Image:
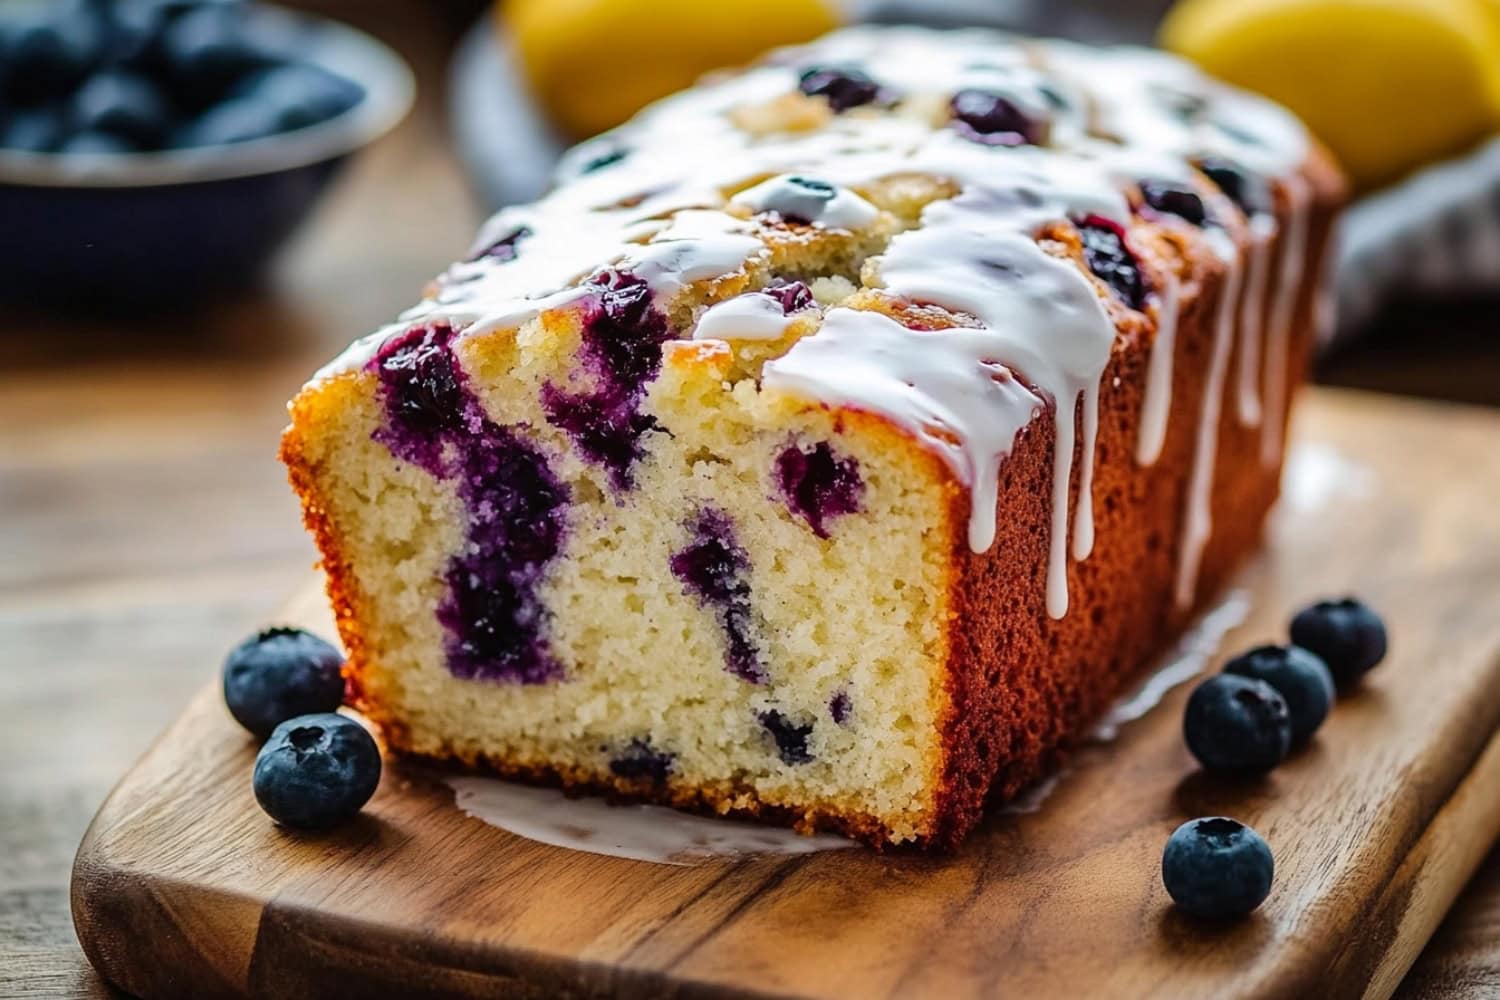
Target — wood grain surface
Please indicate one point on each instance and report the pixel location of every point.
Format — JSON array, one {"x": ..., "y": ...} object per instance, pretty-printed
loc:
[
  {"x": 183, "y": 888},
  {"x": 145, "y": 526}
]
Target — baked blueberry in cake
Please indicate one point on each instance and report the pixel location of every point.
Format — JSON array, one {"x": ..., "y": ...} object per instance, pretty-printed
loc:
[{"x": 838, "y": 437}]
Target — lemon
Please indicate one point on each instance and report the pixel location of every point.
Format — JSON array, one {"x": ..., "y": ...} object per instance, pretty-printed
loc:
[
  {"x": 593, "y": 63},
  {"x": 1386, "y": 84}
]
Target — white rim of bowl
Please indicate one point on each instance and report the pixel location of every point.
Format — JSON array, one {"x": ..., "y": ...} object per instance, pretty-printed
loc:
[{"x": 389, "y": 90}]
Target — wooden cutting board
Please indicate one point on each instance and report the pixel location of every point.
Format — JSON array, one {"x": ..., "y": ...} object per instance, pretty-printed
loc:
[{"x": 183, "y": 888}]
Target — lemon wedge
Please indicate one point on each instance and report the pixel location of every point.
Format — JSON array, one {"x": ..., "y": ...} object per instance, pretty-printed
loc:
[
  {"x": 593, "y": 63},
  {"x": 1388, "y": 85}
]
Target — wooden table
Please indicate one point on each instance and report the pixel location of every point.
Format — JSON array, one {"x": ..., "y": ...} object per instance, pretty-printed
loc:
[{"x": 145, "y": 525}]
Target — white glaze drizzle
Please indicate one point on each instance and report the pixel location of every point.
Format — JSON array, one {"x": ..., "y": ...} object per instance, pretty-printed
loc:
[
  {"x": 1197, "y": 518},
  {"x": 1157, "y": 403},
  {"x": 1252, "y": 323},
  {"x": 1199, "y": 643},
  {"x": 791, "y": 196},
  {"x": 968, "y": 411},
  {"x": 974, "y": 255},
  {"x": 1040, "y": 336},
  {"x": 1284, "y": 315},
  {"x": 653, "y": 834},
  {"x": 752, "y": 316}
]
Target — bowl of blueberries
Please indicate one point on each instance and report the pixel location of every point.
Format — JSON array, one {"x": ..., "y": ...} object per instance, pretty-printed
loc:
[{"x": 155, "y": 152}]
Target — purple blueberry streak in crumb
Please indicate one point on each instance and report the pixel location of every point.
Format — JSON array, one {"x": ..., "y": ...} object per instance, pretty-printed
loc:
[
  {"x": 793, "y": 296},
  {"x": 714, "y": 569},
  {"x": 640, "y": 761},
  {"x": 606, "y": 428},
  {"x": 626, "y": 334},
  {"x": 492, "y": 613},
  {"x": 424, "y": 400},
  {"x": 817, "y": 485},
  {"x": 839, "y": 707},
  {"x": 1108, "y": 255},
  {"x": 622, "y": 339},
  {"x": 507, "y": 248},
  {"x": 790, "y": 737},
  {"x": 993, "y": 119}
]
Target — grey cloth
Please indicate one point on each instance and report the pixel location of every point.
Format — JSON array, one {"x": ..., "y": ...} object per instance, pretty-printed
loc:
[{"x": 1436, "y": 233}]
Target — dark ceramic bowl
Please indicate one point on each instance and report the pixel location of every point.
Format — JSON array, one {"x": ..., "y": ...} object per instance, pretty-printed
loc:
[{"x": 158, "y": 229}]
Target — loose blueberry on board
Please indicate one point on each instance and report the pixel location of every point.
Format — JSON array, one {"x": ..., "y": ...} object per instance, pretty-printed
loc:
[
  {"x": 1174, "y": 199},
  {"x": 1217, "y": 868},
  {"x": 1109, "y": 257},
  {"x": 845, "y": 87},
  {"x": 1300, "y": 677},
  {"x": 1346, "y": 633},
  {"x": 1237, "y": 725},
  {"x": 993, "y": 119},
  {"x": 280, "y": 673},
  {"x": 316, "y": 771}
]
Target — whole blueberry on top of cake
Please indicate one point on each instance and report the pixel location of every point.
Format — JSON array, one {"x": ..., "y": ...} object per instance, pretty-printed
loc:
[{"x": 836, "y": 439}]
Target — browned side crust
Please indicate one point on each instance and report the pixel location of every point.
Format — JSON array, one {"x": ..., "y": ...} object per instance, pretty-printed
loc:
[{"x": 1023, "y": 687}]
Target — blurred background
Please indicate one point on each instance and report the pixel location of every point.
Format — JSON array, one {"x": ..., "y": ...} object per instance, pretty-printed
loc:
[{"x": 200, "y": 202}]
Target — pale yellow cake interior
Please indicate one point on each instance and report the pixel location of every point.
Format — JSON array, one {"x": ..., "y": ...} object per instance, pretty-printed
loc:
[{"x": 858, "y": 614}]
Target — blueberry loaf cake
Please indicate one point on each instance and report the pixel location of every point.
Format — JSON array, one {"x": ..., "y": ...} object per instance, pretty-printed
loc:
[{"x": 836, "y": 439}]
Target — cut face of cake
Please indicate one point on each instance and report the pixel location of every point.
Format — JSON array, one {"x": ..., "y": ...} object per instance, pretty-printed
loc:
[{"x": 836, "y": 440}]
